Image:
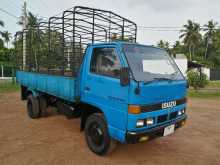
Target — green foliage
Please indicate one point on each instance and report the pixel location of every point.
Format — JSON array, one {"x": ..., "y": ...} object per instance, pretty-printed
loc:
[
  {"x": 191, "y": 37},
  {"x": 203, "y": 94},
  {"x": 8, "y": 86},
  {"x": 197, "y": 80},
  {"x": 214, "y": 84},
  {"x": 7, "y": 37},
  {"x": 204, "y": 49},
  {"x": 1, "y": 44},
  {"x": 2, "y": 23}
]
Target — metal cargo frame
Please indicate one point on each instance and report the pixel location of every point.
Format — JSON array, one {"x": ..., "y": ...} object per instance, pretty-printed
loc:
[{"x": 57, "y": 46}]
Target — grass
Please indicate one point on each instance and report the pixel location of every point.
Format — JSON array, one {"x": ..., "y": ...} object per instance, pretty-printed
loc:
[
  {"x": 203, "y": 94},
  {"x": 213, "y": 84},
  {"x": 210, "y": 91},
  {"x": 8, "y": 86}
]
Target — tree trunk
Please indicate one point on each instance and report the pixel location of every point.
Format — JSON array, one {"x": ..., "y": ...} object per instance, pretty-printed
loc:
[
  {"x": 35, "y": 59},
  {"x": 190, "y": 55},
  {"x": 193, "y": 53},
  {"x": 206, "y": 50},
  {"x": 2, "y": 67}
]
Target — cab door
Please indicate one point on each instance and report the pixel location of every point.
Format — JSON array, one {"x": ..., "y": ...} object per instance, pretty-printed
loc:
[{"x": 101, "y": 86}]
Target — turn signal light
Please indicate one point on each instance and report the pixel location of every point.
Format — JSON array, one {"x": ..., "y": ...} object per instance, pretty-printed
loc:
[{"x": 134, "y": 109}]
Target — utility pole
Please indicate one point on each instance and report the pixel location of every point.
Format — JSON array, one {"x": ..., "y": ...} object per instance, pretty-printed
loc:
[{"x": 24, "y": 17}]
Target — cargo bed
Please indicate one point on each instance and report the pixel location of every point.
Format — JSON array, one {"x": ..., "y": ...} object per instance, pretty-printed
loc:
[{"x": 59, "y": 86}]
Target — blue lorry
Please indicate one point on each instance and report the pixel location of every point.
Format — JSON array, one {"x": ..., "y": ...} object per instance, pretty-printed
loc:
[{"x": 122, "y": 91}]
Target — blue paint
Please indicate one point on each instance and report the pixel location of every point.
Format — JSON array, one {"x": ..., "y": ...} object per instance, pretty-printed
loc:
[
  {"x": 107, "y": 94},
  {"x": 59, "y": 86}
]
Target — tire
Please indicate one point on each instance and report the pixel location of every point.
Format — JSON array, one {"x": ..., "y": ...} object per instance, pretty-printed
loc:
[
  {"x": 97, "y": 136},
  {"x": 43, "y": 106},
  {"x": 33, "y": 109}
]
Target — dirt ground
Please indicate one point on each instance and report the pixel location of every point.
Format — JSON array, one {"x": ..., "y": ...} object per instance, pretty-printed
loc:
[{"x": 57, "y": 140}]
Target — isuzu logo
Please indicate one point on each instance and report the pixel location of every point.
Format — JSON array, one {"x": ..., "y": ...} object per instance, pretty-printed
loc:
[{"x": 168, "y": 104}]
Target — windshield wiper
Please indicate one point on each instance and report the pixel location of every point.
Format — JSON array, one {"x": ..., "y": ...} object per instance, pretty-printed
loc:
[{"x": 157, "y": 79}]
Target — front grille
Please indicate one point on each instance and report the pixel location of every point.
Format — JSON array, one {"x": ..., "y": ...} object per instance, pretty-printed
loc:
[
  {"x": 161, "y": 118},
  {"x": 173, "y": 115},
  {"x": 158, "y": 106}
]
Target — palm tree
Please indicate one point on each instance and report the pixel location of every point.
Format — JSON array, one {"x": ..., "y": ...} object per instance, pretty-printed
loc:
[
  {"x": 32, "y": 20},
  {"x": 7, "y": 36},
  {"x": 2, "y": 23},
  {"x": 210, "y": 30},
  {"x": 31, "y": 38},
  {"x": 164, "y": 45},
  {"x": 177, "y": 48},
  {"x": 1, "y": 41},
  {"x": 191, "y": 36},
  {"x": 161, "y": 44}
]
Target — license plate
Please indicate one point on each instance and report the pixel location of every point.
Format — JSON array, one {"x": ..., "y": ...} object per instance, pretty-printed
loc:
[{"x": 169, "y": 130}]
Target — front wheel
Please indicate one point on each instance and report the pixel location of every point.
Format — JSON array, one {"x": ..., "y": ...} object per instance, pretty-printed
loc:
[{"x": 97, "y": 136}]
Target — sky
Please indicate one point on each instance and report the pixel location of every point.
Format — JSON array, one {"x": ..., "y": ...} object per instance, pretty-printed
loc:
[{"x": 148, "y": 13}]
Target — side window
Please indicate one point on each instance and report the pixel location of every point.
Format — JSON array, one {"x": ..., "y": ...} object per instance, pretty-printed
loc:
[{"x": 104, "y": 61}]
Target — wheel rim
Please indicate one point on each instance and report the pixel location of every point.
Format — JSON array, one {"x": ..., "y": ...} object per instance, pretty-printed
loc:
[{"x": 96, "y": 134}]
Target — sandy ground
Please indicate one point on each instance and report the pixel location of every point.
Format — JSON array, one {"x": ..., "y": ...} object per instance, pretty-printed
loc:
[{"x": 56, "y": 140}]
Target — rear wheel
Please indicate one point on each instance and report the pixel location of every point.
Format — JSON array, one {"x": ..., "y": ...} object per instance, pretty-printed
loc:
[
  {"x": 97, "y": 136},
  {"x": 33, "y": 109},
  {"x": 43, "y": 106}
]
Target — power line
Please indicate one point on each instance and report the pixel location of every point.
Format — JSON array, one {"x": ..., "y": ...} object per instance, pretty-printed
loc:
[
  {"x": 167, "y": 28},
  {"x": 159, "y": 27},
  {"x": 8, "y": 13},
  {"x": 15, "y": 4}
]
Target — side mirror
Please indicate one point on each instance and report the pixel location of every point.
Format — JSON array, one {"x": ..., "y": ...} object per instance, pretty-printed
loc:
[{"x": 124, "y": 76}]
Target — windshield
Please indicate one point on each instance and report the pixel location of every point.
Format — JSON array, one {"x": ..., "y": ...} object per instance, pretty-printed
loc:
[{"x": 150, "y": 63}]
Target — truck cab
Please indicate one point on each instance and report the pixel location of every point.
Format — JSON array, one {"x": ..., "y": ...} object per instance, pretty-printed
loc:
[{"x": 139, "y": 89}]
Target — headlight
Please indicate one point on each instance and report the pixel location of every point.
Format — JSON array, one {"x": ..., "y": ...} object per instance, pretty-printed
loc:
[
  {"x": 149, "y": 121},
  {"x": 140, "y": 123},
  {"x": 181, "y": 112}
]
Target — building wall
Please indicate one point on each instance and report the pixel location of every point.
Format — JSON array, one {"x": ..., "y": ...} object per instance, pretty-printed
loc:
[{"x": 206, "y": 71}]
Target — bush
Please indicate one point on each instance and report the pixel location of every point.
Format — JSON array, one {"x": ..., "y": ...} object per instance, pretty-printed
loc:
[{"x": 196, "y": 80}]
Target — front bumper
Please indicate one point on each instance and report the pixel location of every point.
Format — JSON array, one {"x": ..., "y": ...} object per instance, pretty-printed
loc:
[{"x": 135, "y": 137}]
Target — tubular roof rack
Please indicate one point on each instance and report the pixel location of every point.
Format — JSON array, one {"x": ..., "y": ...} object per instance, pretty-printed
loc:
[{"x": 58, "y": 45}]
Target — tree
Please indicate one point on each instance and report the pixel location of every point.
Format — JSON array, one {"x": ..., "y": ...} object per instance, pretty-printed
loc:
[
  {"x": 164, "y": 45},
  {"x": 32, "y": 38},
  {"x": 210, "y": 30},
  {"x": 191, "y": 36},
  {"x": 32, "y": 20},
  {"x": 1, "y": 41},
  {"x": 2, "y": 23},
  {"x": 177, "y": 48},
  {"x": 7, "y": 37}
]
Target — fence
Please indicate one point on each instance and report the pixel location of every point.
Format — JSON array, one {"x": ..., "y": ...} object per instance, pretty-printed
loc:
[
  {"x": 6, "y": 72},
  {"x": 214, "y": 74}
]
